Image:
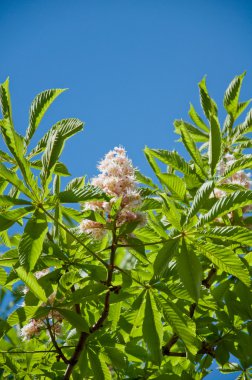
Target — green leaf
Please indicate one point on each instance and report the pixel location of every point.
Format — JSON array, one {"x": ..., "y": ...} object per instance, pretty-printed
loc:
[
  {"x": 201, "y": 195},
  {"x": 168, "y": 250},
  {"x": 234, "y": 234},
  {"x": 49, "y": 159},
  {"x": 137, "y": 249},
  {"x": 3, "y": 276},
  {"x": 98, "y": 366},
  {"x": 191, "y": 148},
  {"x": 76, "y": 183},
  {"x": 172, "y": 159},
  {"x": 5, "y": 102},
  {"x": 244, "y": 128},
  {"x": 12, "y": 177},
  {"x": 39, "y": 106},
  {"x": 74, "y": 319},
  {"x": 30, "y": 280},
  {"x": 175, "y": 184},
  {"x": 226, "y": 204},
  {"x": 66, "y": 129},
  {"x": 86, "y": 194},
  {"x": 190, "y": 272},
  {"x": 145, "y": 180},
  {"x": 59, "y": 168},
  {"x": 197, "y": 135},
  {"x": 214, "y": 143},
  {"x": 152, "y": 328},
  {"x": 117, "y": 357},
  {"x": 197, "y": 119},
  {"x": 231, "y": 97},
  {"x": 4, "y": 157},
  {"x": 243, "y": 163},
  {"x": 208, "y": 105},
  {"x": 225, "y": 259},
  {"x": 31, "y": 243},
  {"x": 21, "y": 315},
  {"x": 8, "y": 218},
  {"x": 6, "y": 201},
  {"x": 182, "y": 325},
  {"x": 151, "y": 161}
]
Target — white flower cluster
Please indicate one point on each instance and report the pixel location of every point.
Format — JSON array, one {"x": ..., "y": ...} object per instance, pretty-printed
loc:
[
  {"x": 239, "y": 178},
  {"x": 117, "y": 179},
  {"x": 35, "y": 326}
]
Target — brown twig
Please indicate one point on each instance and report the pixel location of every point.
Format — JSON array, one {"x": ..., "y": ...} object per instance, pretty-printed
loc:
[
  {"x": 54, "y": 342},
  {"x": 83, "y": 337},
  {"x": 207, "y": 282}
]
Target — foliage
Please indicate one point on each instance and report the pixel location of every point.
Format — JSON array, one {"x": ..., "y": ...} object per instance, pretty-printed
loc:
[{"x": 160, "y": 299}]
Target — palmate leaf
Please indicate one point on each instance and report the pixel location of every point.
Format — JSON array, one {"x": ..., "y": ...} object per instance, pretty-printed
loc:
[
  {"x": 76, "y": 183},
  {"x": 3, "y": 276},
  {"x": 30, "y": 246},
  {"x": 59, "y": 168},
  {"x": 152, "y": 161},
  {"x": 66, "y": 128},
  {"x": 189, "y": 270},
  {"x": 39, "y": 106},
  {"x": 197, "y": 119},
  {"x": 214, "y": 143},
  {"x": 15, "y": 144},
  {"x": 49, "y": 159},
  {"x": 244, "y": 128},
  {"x": 182, "y": 325},
  {"x": 208, "y": 105},
  {"x": 231, "y": 97},
  {"x": 175, "y": 184},
  {"x": 243, "y": 163},
  {"x": 192, "y": 149},
  {"x": 87, "y": 193},
  {"x": 164, "y": 256},
  {"x": 227, "y": 204},
  {"x": 21, "y": 315},
  {"x": 6, "y": 200},
  {"x": 201, "y": 195},
  {"x": 98, "y": 366},
  {"x": 170, "y": 158},
  {"x": 152, "y": 328},
  {"x": 234, "y": 234},
  {"x": 8, "y": 218},
  {"x": 5, "y": 101},
  {"x": 145, "y": 180},
  {"x": 74, "y": 319},
  {"x": 135, "y": 314},
  {"x": 225, "y": 259},
  {"x": 197, "y": 135},
  {"x": 30, "y": 280},
  {"x": 4, "y": 157}
]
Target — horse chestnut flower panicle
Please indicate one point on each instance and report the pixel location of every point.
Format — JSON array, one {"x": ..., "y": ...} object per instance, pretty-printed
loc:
[{"x": 117, "y": 179}]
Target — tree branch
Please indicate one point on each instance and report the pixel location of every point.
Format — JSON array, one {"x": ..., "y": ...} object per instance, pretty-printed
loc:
[
  {"x": 83, "y": 337},
  {"x": 54, "y": 342}
]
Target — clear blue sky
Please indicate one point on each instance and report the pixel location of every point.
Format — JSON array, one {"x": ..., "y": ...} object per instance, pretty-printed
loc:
[{"x": 132, "y": 67}]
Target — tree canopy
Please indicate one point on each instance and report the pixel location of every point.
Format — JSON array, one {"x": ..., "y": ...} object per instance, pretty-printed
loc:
[{"x": 126, "y": 276}]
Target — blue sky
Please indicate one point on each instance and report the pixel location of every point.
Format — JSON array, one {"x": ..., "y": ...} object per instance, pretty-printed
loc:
[{"x": 131, "y": 67}]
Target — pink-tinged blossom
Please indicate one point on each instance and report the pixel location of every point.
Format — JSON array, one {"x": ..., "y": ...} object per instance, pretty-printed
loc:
[
  {"x": 117, "y": 179},
  {"x": 32, "y": 329},
  {"x": 93, "y": 228},
  {"x": 35, "y": 326}
]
